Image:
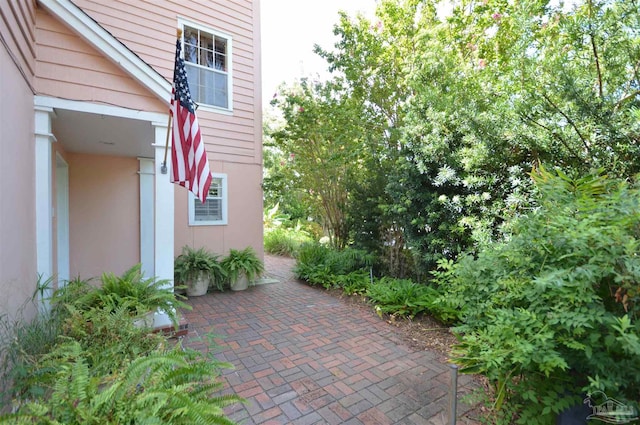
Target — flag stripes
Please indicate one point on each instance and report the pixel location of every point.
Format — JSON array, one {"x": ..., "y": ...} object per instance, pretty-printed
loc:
[{"x": 190, "y": 166}]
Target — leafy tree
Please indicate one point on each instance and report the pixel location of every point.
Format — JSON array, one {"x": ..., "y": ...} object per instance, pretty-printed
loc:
[
  {"x": 374, "y": 58},
  {"x": 322, "y": 140},
  {"x": 279, "y": 180},
  {"x": 453, "y": 111},
  {"x": 498, "y": 86}
]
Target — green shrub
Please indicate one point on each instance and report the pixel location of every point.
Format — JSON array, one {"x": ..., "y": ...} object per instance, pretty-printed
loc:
[
  {"x": 108, "y": 336},
  {"x": 311, "y": 259},
  {"x": 284, "y": 241},
  {"x": 139, "y": 294},
  {"x": 354, "y": 283},
  {"x": 313, "y": 255},
  {"x": 349, "y": 260},
  {"x": 553, "y": 311}
]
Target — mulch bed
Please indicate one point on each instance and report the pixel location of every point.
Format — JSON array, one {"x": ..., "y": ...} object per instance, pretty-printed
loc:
[{"x": 421, "y": 333}]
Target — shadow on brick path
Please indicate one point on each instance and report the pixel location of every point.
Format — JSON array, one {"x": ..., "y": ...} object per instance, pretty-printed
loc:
[{"x": 302, "y": 356}]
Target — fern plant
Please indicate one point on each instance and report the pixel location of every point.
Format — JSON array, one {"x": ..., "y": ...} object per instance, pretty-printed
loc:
[
  {"x": 141, "y": 295},
  {"x": 86, "y": 363},
  {"x": 242, "y": 262},
  {"x": 191, "y": 263},
  {"x": 177, "y": 386}
]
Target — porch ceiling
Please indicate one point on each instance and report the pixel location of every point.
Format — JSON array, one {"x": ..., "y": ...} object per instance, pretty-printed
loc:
[{"x": 90, "y": 133}]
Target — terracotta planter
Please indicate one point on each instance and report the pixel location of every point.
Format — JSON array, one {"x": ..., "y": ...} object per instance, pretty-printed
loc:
[{"x": 199, "y": 286}]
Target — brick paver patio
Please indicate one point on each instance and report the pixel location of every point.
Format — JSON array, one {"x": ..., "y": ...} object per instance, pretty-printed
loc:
[{"x": 302, "y": 356}]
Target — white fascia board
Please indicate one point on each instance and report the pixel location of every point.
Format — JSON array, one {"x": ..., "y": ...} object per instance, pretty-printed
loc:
[
  {"x": 101, "y": 109},
  {"x": 111, "y": 47}
]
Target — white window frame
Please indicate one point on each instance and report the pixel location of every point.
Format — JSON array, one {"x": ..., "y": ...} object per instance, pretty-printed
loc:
[
  {"x": 204, "y": 106},
  {"x": 225, "y": 204}
]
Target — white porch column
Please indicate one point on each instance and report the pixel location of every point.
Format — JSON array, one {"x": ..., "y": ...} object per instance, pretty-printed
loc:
[
  {"x": 147, "y": 209},
  {"x": 43, "y": 196},
  {"x": 164, "y": 210}
]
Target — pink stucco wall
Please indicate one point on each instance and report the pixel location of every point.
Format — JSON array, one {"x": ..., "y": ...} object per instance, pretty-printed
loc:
[
  {"x": 244, "y": 226},
  {"x": 104, "y": 205},
  {"x": 17, "y": 151}
]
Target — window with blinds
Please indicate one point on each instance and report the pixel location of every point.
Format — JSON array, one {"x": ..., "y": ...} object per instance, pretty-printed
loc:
[{"x": 214, "y": 210}]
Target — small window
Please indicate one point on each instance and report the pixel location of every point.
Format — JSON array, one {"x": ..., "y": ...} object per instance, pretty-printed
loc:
[
  {"x": 207, "y": 57},
  {"x": 214, "y": 210}
]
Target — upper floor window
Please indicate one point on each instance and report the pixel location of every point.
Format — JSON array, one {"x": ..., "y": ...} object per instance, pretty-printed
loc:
[
  {"x": 214, "y": 209},
  {"x": 207, "y": 57}
]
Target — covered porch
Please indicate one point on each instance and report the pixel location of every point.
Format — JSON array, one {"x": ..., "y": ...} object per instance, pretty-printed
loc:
[{"x": 102, "y": 202}]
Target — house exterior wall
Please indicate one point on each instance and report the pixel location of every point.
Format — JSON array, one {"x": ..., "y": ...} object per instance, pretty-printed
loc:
[
  {"x": 68, "y": 67},
  {"x": 233, "y": 141},
  {"x": 149, "y": 29},
  {"x": 17, "y": 179},
  {"x": 244, "y": 226},
  {"x": 104, "y": 212}
]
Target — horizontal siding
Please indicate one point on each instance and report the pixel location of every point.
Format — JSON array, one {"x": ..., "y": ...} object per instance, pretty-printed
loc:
[
  {"x": 147, "y": 27},
  {"x": 17, "y": 27},
  {"x": 69, "y": 67}
]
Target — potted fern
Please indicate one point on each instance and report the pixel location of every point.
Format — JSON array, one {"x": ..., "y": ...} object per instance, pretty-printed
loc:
[
  {"x": 197, "y": 269},
  {"x": 242, "y": 267}
]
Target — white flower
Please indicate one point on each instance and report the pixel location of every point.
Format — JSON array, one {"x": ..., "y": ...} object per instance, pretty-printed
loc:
[{"x": 445, "y": 174}]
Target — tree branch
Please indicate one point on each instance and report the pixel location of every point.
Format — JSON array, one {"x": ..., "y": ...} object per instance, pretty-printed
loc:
[
  {"x": 554, "y": 134},
  {"x": 595, "y": 55},
  {"x": 585, "y": 142},
  {"x": 595, "y": 51},
  {"x": 625, "y": 98}
]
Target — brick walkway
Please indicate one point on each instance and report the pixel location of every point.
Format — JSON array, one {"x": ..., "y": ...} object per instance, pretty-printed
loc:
[{"x": 302, "y": 356}]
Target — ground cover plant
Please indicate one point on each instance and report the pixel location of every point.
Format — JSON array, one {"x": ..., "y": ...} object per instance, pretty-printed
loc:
[
  {"x": 320, "y": 264},
  {"x": 87, "y": 361},
  {"x": 403, "y": 297},
  {"x": 350, "y": 270}
]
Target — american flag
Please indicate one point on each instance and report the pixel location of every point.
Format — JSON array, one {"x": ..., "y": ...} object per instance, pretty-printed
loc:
[{"x": 190, "y": 167}]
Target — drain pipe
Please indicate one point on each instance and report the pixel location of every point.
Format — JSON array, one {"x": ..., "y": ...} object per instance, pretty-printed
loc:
[{"x": 453, "y": 394}]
